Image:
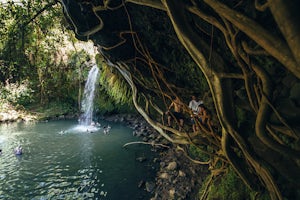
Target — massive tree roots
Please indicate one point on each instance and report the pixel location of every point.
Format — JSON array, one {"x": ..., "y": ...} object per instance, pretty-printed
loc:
[{"x": 240, "y": 79}]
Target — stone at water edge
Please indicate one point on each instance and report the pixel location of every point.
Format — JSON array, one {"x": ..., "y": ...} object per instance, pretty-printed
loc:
[
  {"x": 150, "y": 186},
  {"x": 172, "y": 166},
  {"x": 141, "y": 159}
]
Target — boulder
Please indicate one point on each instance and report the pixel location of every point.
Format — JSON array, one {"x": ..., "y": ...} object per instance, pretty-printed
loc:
[
  {"x": 181, "y": 173},
  {"x": 141, "y": 159},
  {"x": 172, "y": 193},
  {"x": 149, "y": 186},
  {"x": 164, "y": 175},
  {"x": 172, "y": 166}
]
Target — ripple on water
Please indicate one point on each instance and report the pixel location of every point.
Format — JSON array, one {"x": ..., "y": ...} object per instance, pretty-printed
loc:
[
  {"x": 2, "y": 177},
  {"x": 69, "y": 166},
  {"x": 80, "y": 129}
]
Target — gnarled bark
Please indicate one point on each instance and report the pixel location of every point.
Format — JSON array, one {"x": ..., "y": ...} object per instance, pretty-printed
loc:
[{"x": 244, "y": 61}]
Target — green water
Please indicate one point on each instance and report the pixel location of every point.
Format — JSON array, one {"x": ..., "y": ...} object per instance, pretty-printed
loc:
[{"x": 71, "y": 164}]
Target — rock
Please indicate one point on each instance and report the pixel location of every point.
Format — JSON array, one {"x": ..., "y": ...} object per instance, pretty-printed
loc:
[
  {"x": 162, "y": 164},
  {"x": 144, "y": 132},
  {"x": 149, "y": 186},
  {"x": 155, "y": 196},
  {"x": 172, "y": 166},
  {"x": 141, "y": 159},
  {"x": 181, "y": 173},
  {"x": 164, "y": 175},
  {"x": 138, "y": 133},
  {"x": 172, "y": 193},
  {"x": 141, "y": 183},
  {"x": 170, "y": 182},
  {"x": 134, "y": 133}
]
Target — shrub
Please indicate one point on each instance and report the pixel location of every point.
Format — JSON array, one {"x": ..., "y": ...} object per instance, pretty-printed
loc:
[
  {"x": 17, "y": 93},
  {"x": 230, "y": 186}
]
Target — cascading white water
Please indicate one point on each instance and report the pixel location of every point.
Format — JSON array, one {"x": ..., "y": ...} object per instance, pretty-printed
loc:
[{"x": 87, "y": 104}]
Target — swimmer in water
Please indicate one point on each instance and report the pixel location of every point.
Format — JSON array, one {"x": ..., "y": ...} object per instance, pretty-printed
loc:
[{"x": 18, "y": 150}]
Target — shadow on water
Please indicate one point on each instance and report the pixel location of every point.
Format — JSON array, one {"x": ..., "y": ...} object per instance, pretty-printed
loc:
[{"x": 62, "y": 160}]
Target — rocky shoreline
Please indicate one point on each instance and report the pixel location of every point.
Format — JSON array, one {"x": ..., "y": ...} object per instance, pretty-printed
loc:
[
  {"x": 177, "y": 177},
  {"x": 13, "y": 115}
]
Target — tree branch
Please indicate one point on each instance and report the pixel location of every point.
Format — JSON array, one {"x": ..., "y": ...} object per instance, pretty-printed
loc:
[
  {"x": 151, "y": 3},
  {"x": 40, "y": 12},
  {"x": 273, "y": 45},
  {"x": 150, "y": 143},
  {"x": 286, "y": 15}
]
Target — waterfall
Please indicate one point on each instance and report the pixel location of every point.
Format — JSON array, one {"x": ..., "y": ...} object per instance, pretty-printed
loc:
[{"x": 87, "y": 104}]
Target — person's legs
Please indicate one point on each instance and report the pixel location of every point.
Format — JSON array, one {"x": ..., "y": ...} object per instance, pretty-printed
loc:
[
  {"x": 178, "y": 119},
  {"x": 169, "y": 120},
  {"x": 194, "y": 123},
  {"x": 181, "y": 124},
  {"x": 194, "y": 128}
]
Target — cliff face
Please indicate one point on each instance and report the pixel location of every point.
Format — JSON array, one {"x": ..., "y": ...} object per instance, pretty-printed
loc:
[{"x": 241, "y": 58}]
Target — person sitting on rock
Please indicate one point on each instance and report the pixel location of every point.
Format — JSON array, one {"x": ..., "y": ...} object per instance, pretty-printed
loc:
[
  {"x": 177, "y": 112},
  {"x": 193, "y": 105},
  {"x": 204, "y": 116}
]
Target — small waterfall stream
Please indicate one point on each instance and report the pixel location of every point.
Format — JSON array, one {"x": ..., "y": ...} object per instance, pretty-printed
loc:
[{"x": 87, "y": 104}]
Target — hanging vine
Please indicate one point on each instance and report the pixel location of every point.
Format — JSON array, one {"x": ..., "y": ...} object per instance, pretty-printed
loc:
[{"x": 246, "y": 43}]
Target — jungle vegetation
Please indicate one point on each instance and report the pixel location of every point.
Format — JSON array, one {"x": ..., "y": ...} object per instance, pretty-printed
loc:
[
  {"x": 241, "y": 57},
  {"x": 42, "y": 65}
]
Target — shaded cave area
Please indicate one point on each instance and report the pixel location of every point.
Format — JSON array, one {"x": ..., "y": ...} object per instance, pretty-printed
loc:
[{"x": 253, "y": 94}]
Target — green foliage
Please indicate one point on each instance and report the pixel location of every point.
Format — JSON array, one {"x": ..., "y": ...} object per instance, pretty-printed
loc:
[
  {"x": 181, "y": 70},
  {"x": 105, "y": 104},
  {"x": 52, "y": 110},
  {"x": 22, "y": 36},
  {"x": 113, "y": 93},
  {"x": 115, "y": 85},
  {"x": 34, "y": 46},
  {"x": 17, "y": 93},
  {"x": 196, "y": 153},
  {"x": 241, "y": 115},
  {"x": 230, "y": 186}
]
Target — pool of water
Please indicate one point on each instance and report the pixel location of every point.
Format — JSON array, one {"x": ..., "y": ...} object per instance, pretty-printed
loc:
[{"x": 62, "y": 161}]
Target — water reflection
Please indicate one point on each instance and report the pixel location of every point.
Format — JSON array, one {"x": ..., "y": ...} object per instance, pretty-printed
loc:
[{"x": 73, "y": 165}]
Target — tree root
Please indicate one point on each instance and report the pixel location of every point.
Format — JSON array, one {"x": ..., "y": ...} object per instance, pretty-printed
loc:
[{"x": 150, "y": 143}]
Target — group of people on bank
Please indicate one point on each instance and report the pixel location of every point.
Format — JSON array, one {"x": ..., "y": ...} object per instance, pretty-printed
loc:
[{"x": 197, "y": 112}]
